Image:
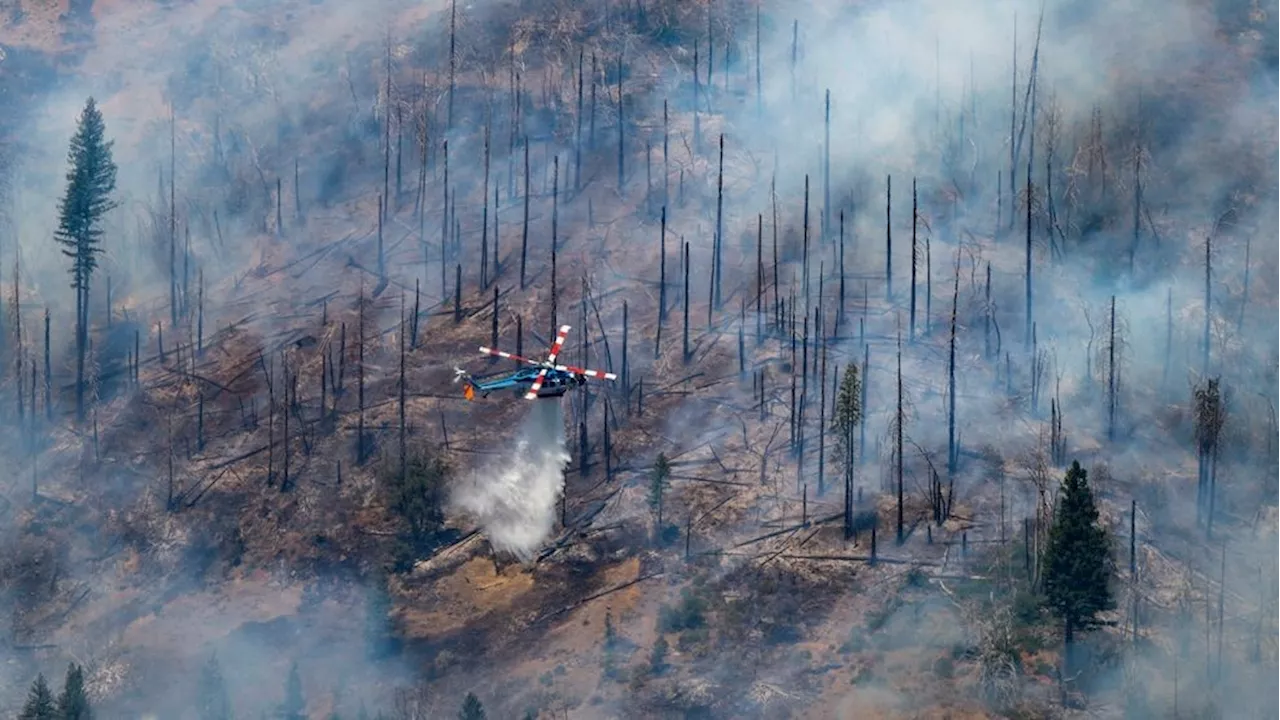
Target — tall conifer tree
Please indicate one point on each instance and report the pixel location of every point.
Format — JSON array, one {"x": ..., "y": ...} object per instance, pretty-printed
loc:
[
  {"x": 91, "y": 179},
  {"x": 73, "y": 703},
  {"x": 40, "y": 704},
  {"x": 1077, "y": 561}
]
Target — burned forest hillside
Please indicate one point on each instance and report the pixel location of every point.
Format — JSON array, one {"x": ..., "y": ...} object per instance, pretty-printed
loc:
[{"x": 944, "y": 338}]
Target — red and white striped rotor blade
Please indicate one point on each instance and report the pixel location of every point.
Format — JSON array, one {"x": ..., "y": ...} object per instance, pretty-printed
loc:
[
  {"x": 510, "y": 356},
  {"x": 558, "y": 344},
  {"x": 589, "y": 373},
  {"x": 537, "y": 385}
]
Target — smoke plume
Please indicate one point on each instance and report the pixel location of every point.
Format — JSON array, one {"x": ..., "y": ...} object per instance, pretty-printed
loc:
[{"x": 514, "y": 497}]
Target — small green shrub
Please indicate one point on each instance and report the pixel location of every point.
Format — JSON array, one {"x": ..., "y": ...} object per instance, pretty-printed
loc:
[{"x": 688, "y": 614}]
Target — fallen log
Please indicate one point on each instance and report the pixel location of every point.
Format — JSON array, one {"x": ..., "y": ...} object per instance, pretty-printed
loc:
[
  {"x": 597, "y": 596},
  {"x": 238, "y": 458}
]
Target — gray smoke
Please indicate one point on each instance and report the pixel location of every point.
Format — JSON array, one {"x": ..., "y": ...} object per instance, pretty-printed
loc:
[{"x": 514, "y": 497}]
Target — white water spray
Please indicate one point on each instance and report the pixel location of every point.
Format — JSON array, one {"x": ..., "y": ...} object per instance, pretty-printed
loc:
[{"x": 514, "y": 497}]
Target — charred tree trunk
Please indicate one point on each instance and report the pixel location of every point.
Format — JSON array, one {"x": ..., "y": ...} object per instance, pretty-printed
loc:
[
  {"x": 386, "y": 138},
  {"x": 986, "y": 316},
  {"x": 915, "y": 258},
  {"x": 1111, "y": 375},
  {"x": 403, "y": 387},
  {"x": 804, "y": 260},
  {"x": 200, "y": 422},
  {"x": 360, "y": 449},
  {"x": 168, "y": 502},
  {"x": 840, "y": 309},
  {"x": 742, "y": 341},
  {"x": 268, "y": 369},
  {"x": 697, "y": 134},
  {"x": 792, "y": 436},
  {"x": 759, "y": 278},
  {"x": 382, "y": 256},
  {"x": 399, "y": 156},
  {"x": 822, "y": 422},
  {"x": 888, "y": 238},
  {"x": 342, "y": 360},
  {"x": 928, "y": 285},
  {"x": 591, "y": 131},
  {"x": 1030, "y": 318},
  {"x": 1208, "y": 303},
  {"x": 622, "y": 138},
  {"x": 555, "y": 201},
  {"x": 666, "y": 163},
  {"x": 173, "y": 220},
  {"x": 493, "y": 341},
  {"x": 898, "y": 440},
  {"x": 453, "y": 61},
  {"x": 777, "y": 288},
  {"x": 417, "y": 314},
  {"x": 48, "y": 374},
  {"x": 953, "y": 449},
  {"x": 288, "y": 407},
  {"x": 662, "y": 282},
  {"x": 497, "y": 249},
  {"x": 826, "y": 169},
  {"x": 577, "y": 131},
  {"x": 484, "y": 216},
  {"x": 685, "y": 299},
  {"x": 711, "y": 56},
  {"x": 717, "y": 271},
  {"x": 200, "y": 314},
  {"x": 1244, "y": 292},
  {"x": 554, "y": 270},
  {"x": 1013, "y": 123},
  {"x": 524, "y": 233},
  {"x": 444, "y": 225},
  {"x": 626, "y": 378}
]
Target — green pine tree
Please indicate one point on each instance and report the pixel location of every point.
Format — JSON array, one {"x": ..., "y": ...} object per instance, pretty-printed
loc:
[
  {"x": 658, "y": 656},
  {"x": 91, "y": 178},
  {"x": 659, "y": 476},
  {"x": 1077, "y": 560},
  {"x": 658, "y": 479},
  {"x": 294, "y": 706},
  {"x": 73, "y": 704},
  {"x": 213, "y": 702},
  {"x": 471, "y": 708},
  {"x": 844, "y": 423},
  {"x": 40, "y": 704}
]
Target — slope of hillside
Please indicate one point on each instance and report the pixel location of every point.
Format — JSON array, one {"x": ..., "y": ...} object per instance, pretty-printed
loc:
[{"x": 324, "y": 208}]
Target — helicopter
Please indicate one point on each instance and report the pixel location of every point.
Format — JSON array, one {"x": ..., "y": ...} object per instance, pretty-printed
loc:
[{"x": 542, "y": 379}]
